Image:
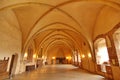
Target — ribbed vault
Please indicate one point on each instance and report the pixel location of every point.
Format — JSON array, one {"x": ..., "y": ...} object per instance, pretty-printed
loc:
[{"x": 50, "y": 23}]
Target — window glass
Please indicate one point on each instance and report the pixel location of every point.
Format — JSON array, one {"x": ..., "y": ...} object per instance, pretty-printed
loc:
[{"x": 101, "y": 52}]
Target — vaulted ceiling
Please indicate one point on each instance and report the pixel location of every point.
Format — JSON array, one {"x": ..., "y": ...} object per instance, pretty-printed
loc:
[{"x": 59, "y": 22}]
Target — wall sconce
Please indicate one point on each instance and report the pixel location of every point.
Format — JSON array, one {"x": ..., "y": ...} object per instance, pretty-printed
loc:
[
  {"x": 53, "y": 57},
  {"x": 83, "y": 56},
  {"x": 67, "y": 57},
  {"x": 89, "y": 55},
  {"x": 25, "y": 55},
  {"x": 34, "y": 56},
  {"x": 43, "y": 57}
]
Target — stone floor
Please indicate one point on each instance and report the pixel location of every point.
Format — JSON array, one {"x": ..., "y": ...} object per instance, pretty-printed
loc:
[{"x": 57, "y": 72}]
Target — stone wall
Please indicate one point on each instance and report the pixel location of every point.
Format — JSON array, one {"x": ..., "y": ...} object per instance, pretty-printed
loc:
[{"x": 10, "y": 37}]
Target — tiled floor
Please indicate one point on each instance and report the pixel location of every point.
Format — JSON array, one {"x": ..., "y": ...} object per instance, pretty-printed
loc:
[{"x": 58, "y": 72}]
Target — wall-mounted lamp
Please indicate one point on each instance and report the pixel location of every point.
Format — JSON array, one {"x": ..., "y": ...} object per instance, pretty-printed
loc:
[
  {"x": 25, "y": 55},
  {"x": 83, "y": 56},
  {"x": 89, "y": 55},
  {"x": 34, "y": 56},
  {"x": 53, "y": 57},
  {"x": 43, "y": 57},
  {"x": 67, "y": 57}
]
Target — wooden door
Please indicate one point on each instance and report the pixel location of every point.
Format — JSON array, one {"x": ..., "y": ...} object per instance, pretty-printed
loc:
[{"x": 13, "y": 64}]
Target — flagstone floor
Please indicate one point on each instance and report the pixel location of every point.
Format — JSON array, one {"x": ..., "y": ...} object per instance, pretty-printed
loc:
[{"x": 57, "y": 72}]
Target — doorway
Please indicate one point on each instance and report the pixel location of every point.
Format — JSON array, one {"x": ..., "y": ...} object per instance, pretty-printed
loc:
[{"x": 13, "y": 64}]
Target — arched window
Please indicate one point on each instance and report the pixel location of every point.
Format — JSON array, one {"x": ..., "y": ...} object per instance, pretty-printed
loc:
[
  {"x": 75, "y": 57},
  {"x": 79, "y": 58},
  {"x": 101, "y": 53},
  {"x": 116, "y": 38}
]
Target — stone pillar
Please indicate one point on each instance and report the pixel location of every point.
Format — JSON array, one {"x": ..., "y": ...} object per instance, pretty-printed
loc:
[{"x": 111, "y": 50}]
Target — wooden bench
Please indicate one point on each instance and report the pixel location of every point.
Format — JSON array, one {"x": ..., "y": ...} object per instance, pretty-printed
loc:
[
  {"x": 3, "y": 68},
  {"x": 30, "y": 67}
]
